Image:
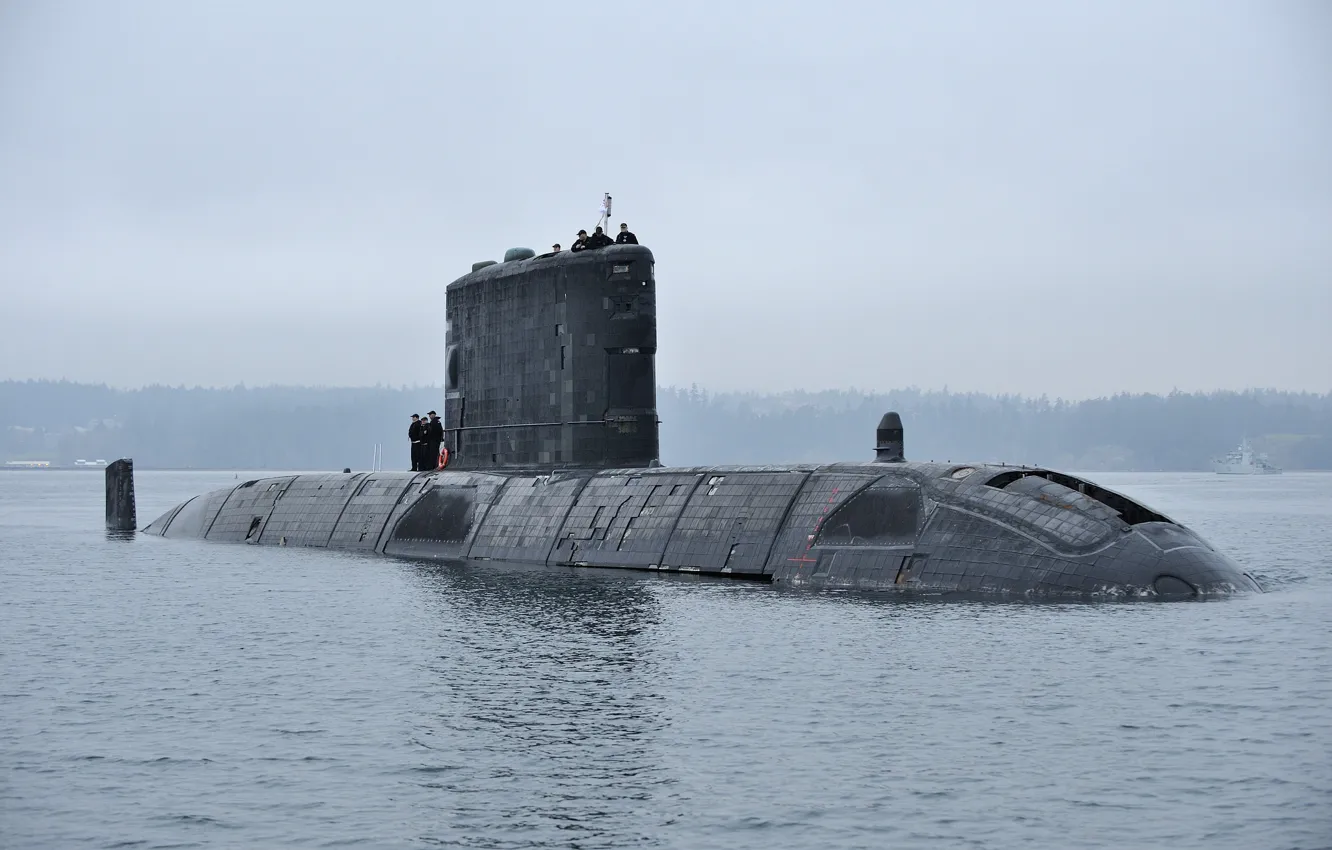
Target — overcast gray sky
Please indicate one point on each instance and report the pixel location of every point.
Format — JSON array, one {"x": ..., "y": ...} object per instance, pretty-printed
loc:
[{"x": 1036, "y": 197}]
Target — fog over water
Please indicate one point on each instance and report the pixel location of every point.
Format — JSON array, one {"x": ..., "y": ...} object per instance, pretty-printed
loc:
[{"x": 1038, "y": 197}]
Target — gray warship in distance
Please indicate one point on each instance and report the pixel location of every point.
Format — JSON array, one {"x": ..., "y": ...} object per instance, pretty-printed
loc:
[{"x": 552, "y": 433}]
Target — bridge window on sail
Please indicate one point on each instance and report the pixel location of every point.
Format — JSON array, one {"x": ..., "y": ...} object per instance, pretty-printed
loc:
[
  {"x": 451, "y": 369},
  {"x": 877, "y": 517}
]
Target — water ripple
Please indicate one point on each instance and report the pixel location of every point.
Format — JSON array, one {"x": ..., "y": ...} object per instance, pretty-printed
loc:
[{"x": 171, "y": 694}]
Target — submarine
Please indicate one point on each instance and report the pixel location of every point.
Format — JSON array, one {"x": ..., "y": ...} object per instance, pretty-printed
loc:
[{"x": 551, "y": 432}]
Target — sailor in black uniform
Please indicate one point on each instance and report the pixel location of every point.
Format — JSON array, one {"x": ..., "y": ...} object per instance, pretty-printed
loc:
[
  {"x": 434, "y": 438},
  {"x": 599, "y": 240},
  {"x": 580, "y": 244},
  {"x": 415, "y": 433},
  {"x": 625, "y": 237}
]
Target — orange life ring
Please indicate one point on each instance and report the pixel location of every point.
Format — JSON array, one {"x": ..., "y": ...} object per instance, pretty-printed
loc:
[{"x": 443, "y": 458}]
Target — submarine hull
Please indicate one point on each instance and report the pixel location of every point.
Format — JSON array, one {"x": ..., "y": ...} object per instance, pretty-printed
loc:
[
  {"x": 552, "y": 436},
  {"x": 901, "y": 527}
]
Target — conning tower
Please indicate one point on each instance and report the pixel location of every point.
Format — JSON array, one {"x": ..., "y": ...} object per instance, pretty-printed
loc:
[{"x": 550, "y": 361}]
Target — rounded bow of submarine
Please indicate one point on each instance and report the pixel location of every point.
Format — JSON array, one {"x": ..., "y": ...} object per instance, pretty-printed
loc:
[{"x": 1190, "y": 568}]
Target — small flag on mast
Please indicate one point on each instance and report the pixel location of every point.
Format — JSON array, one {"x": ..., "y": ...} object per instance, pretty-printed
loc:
[{"x": 606, "y": 207}]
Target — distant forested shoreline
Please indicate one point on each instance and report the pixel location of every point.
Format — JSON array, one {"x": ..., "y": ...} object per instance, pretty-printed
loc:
[{"x": 332, "y": 428}]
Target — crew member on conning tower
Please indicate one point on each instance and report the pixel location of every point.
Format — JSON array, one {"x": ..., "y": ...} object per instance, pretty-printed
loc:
[
  {"x": 599, "y": 239},
  {"x": 625, "y": 237}
]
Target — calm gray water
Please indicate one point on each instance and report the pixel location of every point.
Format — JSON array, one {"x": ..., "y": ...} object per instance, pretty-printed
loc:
[{"x": 158, "y": 693}]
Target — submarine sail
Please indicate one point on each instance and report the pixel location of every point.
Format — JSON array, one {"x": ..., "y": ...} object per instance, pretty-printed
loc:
[{"x": 550, "y": 362}]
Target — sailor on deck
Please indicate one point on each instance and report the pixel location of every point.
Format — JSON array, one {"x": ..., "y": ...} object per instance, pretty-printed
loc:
[
  {"x": 625, "y": 237},
  {"x": 433, "y": 438},
  {"x": 416, "y": 434}
]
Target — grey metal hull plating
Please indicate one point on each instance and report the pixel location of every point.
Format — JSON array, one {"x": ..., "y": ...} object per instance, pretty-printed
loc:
[{"x": 909, "y": 527}]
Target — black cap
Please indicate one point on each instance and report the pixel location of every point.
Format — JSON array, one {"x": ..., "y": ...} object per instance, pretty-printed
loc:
[
  {"x": 582, "y": 233},
  {"x": 432, "y": 413},
  {"x": 416, "y": 416}
]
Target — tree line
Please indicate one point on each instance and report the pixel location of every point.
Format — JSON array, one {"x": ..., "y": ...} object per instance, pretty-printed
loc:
[{"x": 331, "y": 428}]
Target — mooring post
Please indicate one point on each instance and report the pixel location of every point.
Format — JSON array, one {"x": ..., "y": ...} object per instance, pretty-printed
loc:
[{"x": 120, "y": 495}]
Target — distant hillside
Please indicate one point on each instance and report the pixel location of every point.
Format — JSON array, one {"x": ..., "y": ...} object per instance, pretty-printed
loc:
[
  {"x": 1180, "y": 431},
  {"x": 329, "y": 428}
]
